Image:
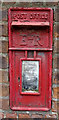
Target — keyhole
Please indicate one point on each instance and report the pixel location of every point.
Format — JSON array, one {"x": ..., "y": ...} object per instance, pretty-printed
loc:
[{"x": 18, "y": 79}]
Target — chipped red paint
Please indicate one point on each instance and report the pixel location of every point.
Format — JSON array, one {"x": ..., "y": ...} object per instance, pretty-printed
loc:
[{"x": 30, "y": 29}]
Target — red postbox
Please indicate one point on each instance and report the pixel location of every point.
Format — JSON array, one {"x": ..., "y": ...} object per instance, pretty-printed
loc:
[{"x": 30, "y": 58}]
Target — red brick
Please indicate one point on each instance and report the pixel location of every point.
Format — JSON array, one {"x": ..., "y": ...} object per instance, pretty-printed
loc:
[
  {"x": 11, "y": 115},
  {"x": 4, "y": 14},
  {"x": 0, "y": 47},
  {"x": 56, "y": 46},
  {"x": 24, "y": 116},
  {"x": 21, "y": 4},
  {"x": 3, "y": 76},
  {"x": 0, "y": 30},
  {"x": 56, "y": 35},
  {"x": 51, "y": 3},
  {"x": 26, "y": 4},
  {"x": 0, "y": 61},
  {"x": 54, "y": 106},
  {"x": 58, "y": 116},
  {"x": 0, "y": 76},
  {"x": 56, "y": 92},
  {"x": 36, "y": 4},
  {"x": 57, "y": 14},
  {"x": 51, "y": 115},
  {"x": 37, "y": 116},
  {"x": 4, "y": 104},
  {"x": 0, "y": 2},
  {"x": 4, "y": 29},
  {"x": 56, "y": 61},
  {"x": 1, "y": 115},
  {"x": 3, "y": 61},
  {"x": 4, "y": 90},
  {"x": 0, "y": 103},
  {"x": 58, "y": 106},
  {"x": 8, "y": 4},
  {"x": 56, "y": 30},
  {"x": 56, "y": 77},
  {"x": 3, "y": 46}
]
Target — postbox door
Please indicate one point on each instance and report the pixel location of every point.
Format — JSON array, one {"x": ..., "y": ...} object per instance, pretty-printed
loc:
[{"x": 30, "y": 80}]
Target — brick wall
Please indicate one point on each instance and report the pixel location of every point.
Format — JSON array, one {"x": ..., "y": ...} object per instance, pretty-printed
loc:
[{"x": 5, "y": 111}]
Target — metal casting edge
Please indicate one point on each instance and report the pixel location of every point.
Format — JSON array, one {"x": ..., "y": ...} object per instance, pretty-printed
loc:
[
  {"x": 39, "y": 49},
  {"x": 29, "y": 8},
  {"x": 29, "y": 109}
]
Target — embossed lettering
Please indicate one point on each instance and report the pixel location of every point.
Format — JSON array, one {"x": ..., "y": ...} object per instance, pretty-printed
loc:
[
  {"x": 37, "y": 41},
  {"x": 46, "y": 16},
  {"x": 23, "y": 39},
  {"x": 14, "y": 16},
  {"x": 30, "y": 40},
  {"x": 34, "y": 16},
  {"x": 19, "y": 16}
]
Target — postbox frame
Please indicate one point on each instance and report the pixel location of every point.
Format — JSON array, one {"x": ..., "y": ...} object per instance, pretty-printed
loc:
[{"x": 11, "y": 49}]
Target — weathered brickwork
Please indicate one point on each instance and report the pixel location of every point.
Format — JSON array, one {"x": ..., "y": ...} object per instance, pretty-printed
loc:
[
  {"x": 11, "y": 115},
  {"x": 55, "y": 77},
  {"x": 24, "y": 116},
  {"x": 5, "y": 111}
]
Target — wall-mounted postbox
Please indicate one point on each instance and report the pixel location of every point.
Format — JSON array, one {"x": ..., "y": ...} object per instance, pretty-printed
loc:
[{"x": 30, "y": 58}]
